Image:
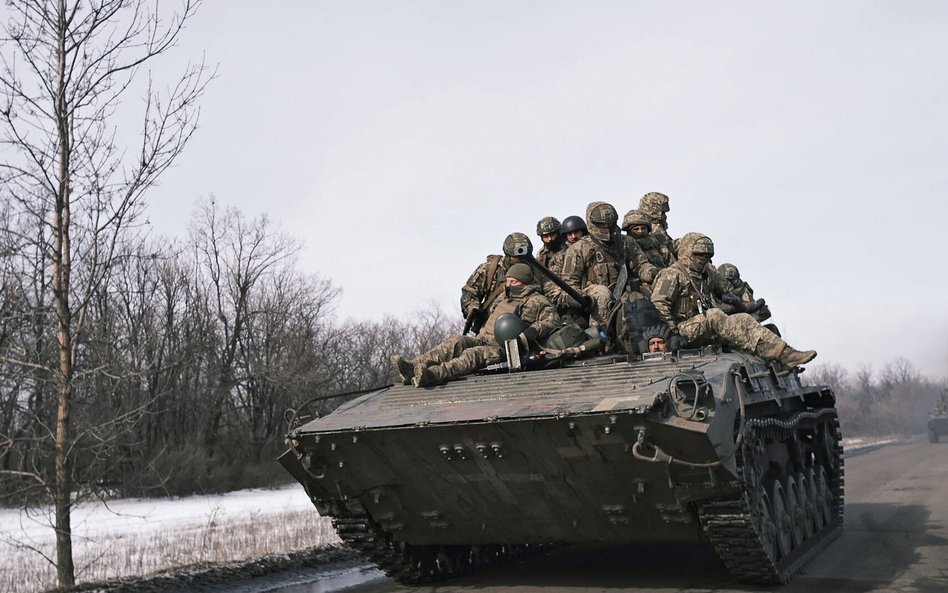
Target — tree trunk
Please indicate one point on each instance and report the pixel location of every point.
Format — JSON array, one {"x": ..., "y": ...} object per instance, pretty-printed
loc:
[{"x": 62, "y": 484}]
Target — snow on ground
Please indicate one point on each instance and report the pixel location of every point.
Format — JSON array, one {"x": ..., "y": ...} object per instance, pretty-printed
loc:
[
  {"x": 138, "y": 536},
  {"x": 139, "y": 515}
]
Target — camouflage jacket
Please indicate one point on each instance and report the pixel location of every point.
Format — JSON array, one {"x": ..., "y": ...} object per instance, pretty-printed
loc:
[
  {"x": 553, "y": 259},
  {"x": 679, "y": 293},
  {"x": 587, "y": 262},
  {"x": 478, "y": 287},
  {"x": 658, "y": 254},
  {"x": 534, "y": 309}
]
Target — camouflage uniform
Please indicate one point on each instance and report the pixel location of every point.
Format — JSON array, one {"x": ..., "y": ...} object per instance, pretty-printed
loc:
[
  {"x": 551, "y": 255},
  {"x": 683, "y": 298},
  {"x": 732, "y": 283},
  {"x": 593, "y": 264},
  {"x": 657, "y": 253},
  {"x": 478, "y": 287},
  {"x": 462, "y": 355},
  {"x": 655, "y": 206}
]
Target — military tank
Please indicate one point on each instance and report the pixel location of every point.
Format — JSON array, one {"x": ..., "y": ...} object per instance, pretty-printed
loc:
[
  {"x": 938, "y": 419},
  {"x": 699, "y": 445}
]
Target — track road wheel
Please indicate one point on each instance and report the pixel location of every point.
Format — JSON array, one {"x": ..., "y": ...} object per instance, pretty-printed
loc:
[
  {"x": 824, "y": 496},
  {"x": 795, "y": 509},
  {"x": 783, "y": 522},
  {"x": 814, "y": 520}
]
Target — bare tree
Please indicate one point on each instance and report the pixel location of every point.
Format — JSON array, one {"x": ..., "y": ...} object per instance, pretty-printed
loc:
[{"x": 74, "y": 188}]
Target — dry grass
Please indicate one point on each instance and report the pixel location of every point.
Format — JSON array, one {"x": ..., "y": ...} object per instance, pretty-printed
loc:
[{"x": 128, "y": 554}]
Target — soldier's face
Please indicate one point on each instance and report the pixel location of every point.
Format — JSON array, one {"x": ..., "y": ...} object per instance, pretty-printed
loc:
[
  {"x": 657, "y": 345},
  {"x": 638, "y": 230},
  {"x": 511, "y": 282},
  {"x": 573, "y": 236},
  {"x": 549, "y": 237}
]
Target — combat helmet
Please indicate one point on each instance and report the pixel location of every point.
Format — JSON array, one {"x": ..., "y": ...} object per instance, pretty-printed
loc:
[
  {"x": 548, "y": 225},
  {"x": 572, "y": 224},
  {"x": 517, "y": 244},
  {"x": 635, "y": 217},
  {"x": 602, "y": 218},
  {"x": 654, "y": 203},
  {"x": 730, "y": 273},
  {"x": 508, "y": 326}
]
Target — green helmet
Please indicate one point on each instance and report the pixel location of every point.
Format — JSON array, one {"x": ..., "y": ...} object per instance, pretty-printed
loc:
[
  {"x": 654, "y": 203},
  {"x": 547, "y": 225},
  {"x": 635, "y": 217},
  {"x": 508, "y": 326},
  {"x": 703, "y": 246},
  {"x": 602, "y": 218},
  {"x": 517, "y": 244}
]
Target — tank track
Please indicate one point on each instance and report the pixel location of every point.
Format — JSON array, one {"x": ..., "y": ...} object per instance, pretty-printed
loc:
[
  {"x": 739, "y": 530},
  {"x": 411, "y": 564}
]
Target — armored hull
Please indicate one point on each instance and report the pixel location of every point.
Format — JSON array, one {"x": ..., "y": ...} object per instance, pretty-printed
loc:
[{"x": 711, "y": 446}]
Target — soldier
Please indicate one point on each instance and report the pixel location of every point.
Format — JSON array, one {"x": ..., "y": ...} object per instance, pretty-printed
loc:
[
  {"x": 486, "y": 284},
  {"x": 638, "y": 225},
  {"x": 573, "y": 229},
  {"x": 554, "y": 244},
  {"x": 462, "y": 355},
  {"x": 683, "y": 297},
  {"x": 655, "y": 206},
  {"x": 732, "y": 283},
  {"x": 601, "y": 264}
]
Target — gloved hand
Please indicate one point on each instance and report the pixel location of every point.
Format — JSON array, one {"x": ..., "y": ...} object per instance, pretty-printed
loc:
[
  {"x": 526, "y": 338},
  {"x": 731, "y": 303}
]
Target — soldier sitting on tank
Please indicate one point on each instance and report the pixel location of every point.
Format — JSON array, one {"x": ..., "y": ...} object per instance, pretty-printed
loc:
[
  {"x": 554, "y": 244},
  {"x": 683, "y": 298},
  {"x": 941, "y": 406},
  {"x": 637, "y": 225},
  {"x": 573, "y": 229},
  {"x": 732, "y": 283},
  {"x": 462, "y": 355},
  {"x": 655, "y": 206},
  {"x": 486, "y": 284},
  {"x": 605, "y": 265}
]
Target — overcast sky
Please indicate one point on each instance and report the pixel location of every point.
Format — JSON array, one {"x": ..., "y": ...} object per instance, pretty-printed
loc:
[{"x": 402, "y": 141}]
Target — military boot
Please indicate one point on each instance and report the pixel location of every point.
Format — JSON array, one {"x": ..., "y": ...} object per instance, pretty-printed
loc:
[
  {"x": 428, "y": 376},
  {"x": 790, "y": 358},
  {"x": 405, "y": 369}
]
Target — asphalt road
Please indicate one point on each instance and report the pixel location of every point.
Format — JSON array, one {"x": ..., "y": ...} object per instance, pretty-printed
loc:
[{"x": 895, "y": 539}]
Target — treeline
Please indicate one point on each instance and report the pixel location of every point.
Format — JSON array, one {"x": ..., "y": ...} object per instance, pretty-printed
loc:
[
  {"x": 192, "y": 352},
  {"x": 893, "y": 401}
]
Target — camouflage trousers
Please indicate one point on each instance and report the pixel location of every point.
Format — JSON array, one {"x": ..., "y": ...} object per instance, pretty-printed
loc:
[
  {"x": 602, "y": 301},
  {"x": 462, "y": 355},
  {"x": 740, "y": 331}
]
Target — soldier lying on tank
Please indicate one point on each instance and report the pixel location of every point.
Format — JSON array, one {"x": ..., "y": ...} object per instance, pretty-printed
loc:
[
  {"x": 554, "y": 245},
  {"x": 731, "y": 277},
  {"x": 684, "y": 299},
  {"x": 606, "y": 265},
  {"x": 462, "y": 355}
]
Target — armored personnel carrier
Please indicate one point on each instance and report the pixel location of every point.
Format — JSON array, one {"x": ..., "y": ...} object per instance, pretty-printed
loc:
[
  {"x": 938, "y": 419},
  {"x": 701, "y": 445}
]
